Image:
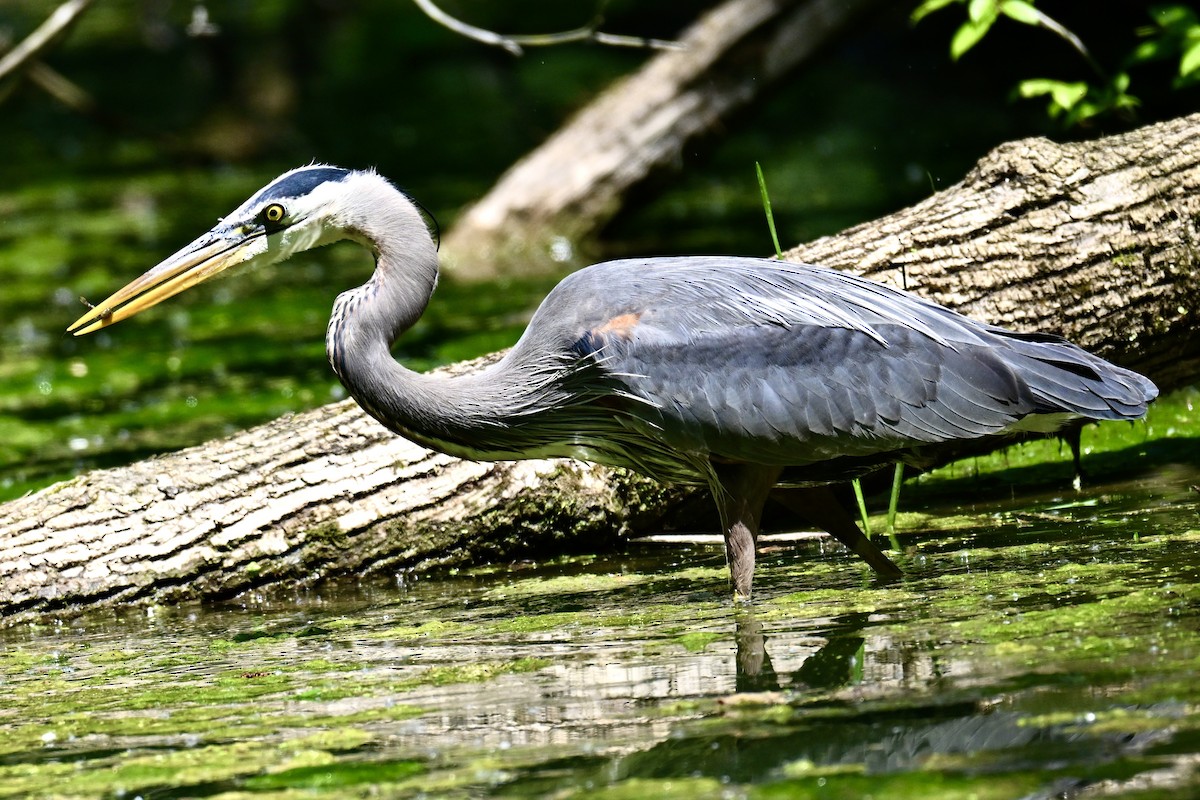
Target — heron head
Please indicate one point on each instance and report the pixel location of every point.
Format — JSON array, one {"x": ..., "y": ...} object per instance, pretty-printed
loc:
[{"x": 299, "y": 210}]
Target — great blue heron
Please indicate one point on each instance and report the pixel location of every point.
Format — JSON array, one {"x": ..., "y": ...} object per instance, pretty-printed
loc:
[{"x": 739, "y": 374}]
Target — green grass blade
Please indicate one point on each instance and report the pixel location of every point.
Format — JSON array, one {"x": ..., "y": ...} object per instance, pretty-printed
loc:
[
  {"x": 766, "y": 199},
  {"x": 894, "y": 500},
  {"x": 862, "y": 507}
]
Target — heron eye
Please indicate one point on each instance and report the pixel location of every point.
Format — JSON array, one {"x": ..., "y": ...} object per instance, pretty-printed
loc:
[{"x": 273, "y": 213}]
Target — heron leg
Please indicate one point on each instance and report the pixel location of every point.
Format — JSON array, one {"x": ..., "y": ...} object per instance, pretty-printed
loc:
[
  {"x": 1073, "y": 436},
  {"x": 819, "y": 506},
  {"x": 740, "y": 495}
]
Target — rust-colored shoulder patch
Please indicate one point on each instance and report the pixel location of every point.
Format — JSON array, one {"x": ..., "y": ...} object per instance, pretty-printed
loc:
[
  {"x": 618, "y": 329},
  {"x": 621, "y": 326}
]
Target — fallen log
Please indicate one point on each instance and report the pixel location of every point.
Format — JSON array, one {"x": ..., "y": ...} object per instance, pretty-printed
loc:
[{"x": 1098, "y": 241}]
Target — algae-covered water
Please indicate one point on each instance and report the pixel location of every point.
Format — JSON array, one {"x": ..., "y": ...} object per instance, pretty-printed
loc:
[
  {"x": 1043, "y": 643},
  {"x": 1038, "y": 647}
]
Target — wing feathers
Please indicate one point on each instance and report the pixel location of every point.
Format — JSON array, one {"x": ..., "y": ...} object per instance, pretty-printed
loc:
[{"x": 792, "y": 364}]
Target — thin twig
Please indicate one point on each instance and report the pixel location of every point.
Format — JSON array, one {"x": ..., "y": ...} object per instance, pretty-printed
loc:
[
  {"x": 515, "y": 44},
  {"x": 42, "y": 38},
  {"x": 62, "y": 89},
  {"x": 1053, "y": 25}
]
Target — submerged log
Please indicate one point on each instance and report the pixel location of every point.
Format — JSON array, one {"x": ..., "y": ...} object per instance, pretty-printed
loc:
[{"x": 1098, "y": 241}]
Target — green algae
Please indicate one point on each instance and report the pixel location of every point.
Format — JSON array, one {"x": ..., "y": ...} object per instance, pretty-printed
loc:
[
  {"x": 472, "y": 673},
  {"x": 1032, "y": 645},
  {"x": 294, "y": 743},
  {"x": 335, "y": 776},
  {"x": 931, "y": 784},
  {"x": 640, "y": 788},
  {"x": 427, "y": 628},
  {"x": 567, "y": 584},
  {"x": 697, "y": 641}
]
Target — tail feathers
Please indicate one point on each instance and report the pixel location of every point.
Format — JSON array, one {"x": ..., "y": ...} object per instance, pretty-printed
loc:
[{"x": 1063, "y": 378}]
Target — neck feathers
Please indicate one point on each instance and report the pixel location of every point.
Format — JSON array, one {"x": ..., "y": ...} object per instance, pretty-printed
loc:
[
  {"x": 475, "y": 416},
  {"x": 382, "y": 219}
]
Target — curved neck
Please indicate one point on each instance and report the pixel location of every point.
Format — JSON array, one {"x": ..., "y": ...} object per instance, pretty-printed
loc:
[{"x": 451, "y": 415}]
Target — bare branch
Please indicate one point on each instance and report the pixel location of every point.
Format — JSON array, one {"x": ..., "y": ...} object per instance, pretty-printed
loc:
[
  {"x": 62, "y": 89},
  {"x": 1056, "y": 27},
  {"x": 515, "y": 44},
  {"x": 46, "y": 34}
]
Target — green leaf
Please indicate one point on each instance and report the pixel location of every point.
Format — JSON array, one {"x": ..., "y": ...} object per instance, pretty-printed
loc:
[
  {"x": 967, "y": 37},
  {"x": 1063, "y": 96},
  {"x": 1150, "y": 51},
  {"x": 1068, "y": 95},
  {"x": 928, "y": 7},
  {"x": 1172, "y": 16},
  {"x": 1034, "y": 87},
  {"x": 1190, "y": 61},
  {"x": 1021, "y": 11},
  {"x": 1085, "y": 111},
  {"x": 982, "y": 11},
  {"x": 1126, "y": 101}
]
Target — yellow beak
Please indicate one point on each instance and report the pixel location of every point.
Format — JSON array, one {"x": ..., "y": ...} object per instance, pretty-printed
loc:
[{"x": 212, "y": 253}]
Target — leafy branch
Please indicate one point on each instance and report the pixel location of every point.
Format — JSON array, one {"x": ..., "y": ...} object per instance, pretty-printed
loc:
[{"x": 1174, "y": 32}]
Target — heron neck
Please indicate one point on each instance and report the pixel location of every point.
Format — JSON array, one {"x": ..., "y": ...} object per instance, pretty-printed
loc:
[{"x": 448, "y": 414}]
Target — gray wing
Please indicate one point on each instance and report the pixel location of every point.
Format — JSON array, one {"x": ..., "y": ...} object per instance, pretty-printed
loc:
[{"x": 763, "y": 361}]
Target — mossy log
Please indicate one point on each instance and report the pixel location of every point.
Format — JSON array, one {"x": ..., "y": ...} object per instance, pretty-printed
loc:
[{"x": 1098, "y": 241}]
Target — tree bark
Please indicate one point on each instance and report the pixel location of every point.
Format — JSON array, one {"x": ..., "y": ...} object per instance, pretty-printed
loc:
[
  {"x": 573, "y": 184},
  {"x": 1098, "y": 241},
  {"x": 326, "y": 492}
]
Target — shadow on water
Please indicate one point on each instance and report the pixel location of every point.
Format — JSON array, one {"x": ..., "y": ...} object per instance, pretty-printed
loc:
[
  {"x": 1165, "y": 460},
  {"x": 1033, "y": 650}
]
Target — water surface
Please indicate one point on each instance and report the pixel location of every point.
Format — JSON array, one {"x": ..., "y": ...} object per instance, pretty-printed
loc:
[{"x": 1045, "y": 647}]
